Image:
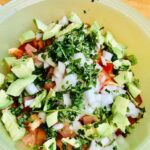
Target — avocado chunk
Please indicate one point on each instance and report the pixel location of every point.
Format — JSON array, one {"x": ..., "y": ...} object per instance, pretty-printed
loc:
[
  {"x": 117, "y": 49},
  {"x": 120, "y": 105},
  {"x": 52, "y": 119},
  {"x": 124, "y": 77},
  {"x": 95, "y": 28},
  {"x": 122, "y": 64},
  {"x": 38, "y": 100},
  {"x": 24, "y": 68},
  {"x": 121, "y": 121},
  {"x": 11, "y": 125},
  {"x": 73, "y": 142},
  {"x": 16, "y": 88},
  {"x": 5, "y": 101},
  {"x": 27, "y": 37},
  {"x": 68, "y": 29},
  {"x": 105, "y": 130},
  {"x": 2, "y": 78},
  {"x": 133, "y": 90},
  {"x": 51, "y": 32},
  {"x": 40, "y": 25},
  {"x": 74, "y": 18},
  {"x": 50, "y": 144}
]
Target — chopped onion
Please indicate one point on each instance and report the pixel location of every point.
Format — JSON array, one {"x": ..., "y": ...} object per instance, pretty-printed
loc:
[
  {"x": 46, "y": 65},
  {"x": 32, "y": 89},
  {"x": 95, "y": 146},
  {"x": 67, "y": 100},
  {"x": 93, "y": 98},
  {"x": 42, "y": 116},
  {"x": 107, "y": 55},
  {"x": 105, "y": 141},
  {"x": 80, "y": 56},
  {"x": 28, "y": 102},
  {"x": 76, "y": 125},
  {"x": 58, "y": 126},
  {"x": 60, "y": 69},
  {"x": 38, "y": 36},
  {"x": 133, "y": 111},
  {"x": 98, "y": 86},
  {"x": 70, "y": 79},
  {"x": 88, "y": 110},
  {"x": 106, "y": 99},
  {"x": 64, "y": 21},
  {"x": 58, "y": 81},
  {"x": 114, "y": 90}
]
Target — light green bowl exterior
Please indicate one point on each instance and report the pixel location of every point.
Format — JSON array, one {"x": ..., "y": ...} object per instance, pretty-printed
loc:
[{"x": 129, "y": 27}]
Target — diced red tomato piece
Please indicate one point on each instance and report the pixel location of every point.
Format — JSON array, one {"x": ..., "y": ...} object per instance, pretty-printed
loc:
[
  {"x": 30, "y": 49},
  {"x": 118, "y": 132},
  {"x": 16, "y": 52},
  {"x": 36, "y": 137},
  {"x": 108, "y": 68},
  {"x": 22, "y": 47},
  {"x": 49, "y": 85},
  {"x": 138, "y": 100},
  {"x": 66, "y": 132},
  {"x": 38, "y": 44},
  {"x": 132, "y": 120},
  {"x": 87, "y": 119},
  {"x": 37, "y": 62},
  {"x": 48, "y": 42},
  {"x": 50, "y": 73}
]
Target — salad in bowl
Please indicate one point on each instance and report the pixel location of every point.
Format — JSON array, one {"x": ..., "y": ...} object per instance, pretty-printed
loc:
[{"x": 69, "y": 85}]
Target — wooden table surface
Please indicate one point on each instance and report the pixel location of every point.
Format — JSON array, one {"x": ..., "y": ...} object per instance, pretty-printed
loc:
[{"x": 142, "y": 6}]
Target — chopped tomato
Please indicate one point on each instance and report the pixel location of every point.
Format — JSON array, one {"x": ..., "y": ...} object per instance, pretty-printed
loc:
[
  {"x": 87, "y": 119},
  {"x": 138, "y": 100},
  {"x": 48, "y": 42},
  {"x": 16, "y": 52},
  {"x": 33, "y": 138},
  {"x": 37, "y": 62},
  {"x": 66, "y": 132},
  {"x": 118, "y": 132},
  {"x": 49, "y": 85},
  {"x": 38, "y": 44},
  {"x": 132, "y": 120},
  {"x": 108, "y": 68},
  {"x": 22, "y": 47},
  {"x": 30, "y": 49},
  {"x": 26, "y": 99},
  {"x": 35, "y": 122},
  {"x": 50, "y": 73}
]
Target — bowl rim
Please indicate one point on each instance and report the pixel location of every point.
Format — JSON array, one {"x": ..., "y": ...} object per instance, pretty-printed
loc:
[{"x": 144, "y": 24}]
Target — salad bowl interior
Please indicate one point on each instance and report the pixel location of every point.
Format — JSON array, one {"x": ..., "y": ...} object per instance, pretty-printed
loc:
[{"x": 16, "y": 17}]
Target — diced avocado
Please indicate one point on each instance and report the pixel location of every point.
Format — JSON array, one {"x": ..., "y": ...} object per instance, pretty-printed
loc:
[
  {"x": 69, "y": 28},
  {"x": 50, "y": 95},
  {"x": 50, "y": 144},
  {"x": 27, "y": 37},
  {"x": 73, "y": 142},
  {"x": 124, "y": 77},
  {"x": 52, "y": 119},
  {"x": 10, "y": 77},
  {"x": 24, "y": 68},
  {"x": 133, "y": 90},
  {"x": 52, "y": 32},
  {"x": 74, "y": 18},
  {"x": 11, "y": 125},
  {"x": 105, "y": 130},
  {"x": 40, "y": 25},
  {"x": 16, "y": 88},
  {"x": 117, "y": 64},
  {"x": 116, "y": 47},
  {"x": 4, "y": 100},
  {"x": 121, "y": 121},
  {"x": 96, "y": 29},
  {"x": 2, "y": 78},
  {"x": 120, "y": 105},
  {"x": 10, "y": 60},
  {"x": 38, "y": 100}
]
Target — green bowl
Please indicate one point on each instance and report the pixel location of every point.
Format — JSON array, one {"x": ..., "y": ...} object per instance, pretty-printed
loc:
[{"x": 128, "y": 27}]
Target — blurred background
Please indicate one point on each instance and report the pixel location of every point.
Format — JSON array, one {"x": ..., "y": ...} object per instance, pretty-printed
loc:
[{"x": 143, "y": 6}]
